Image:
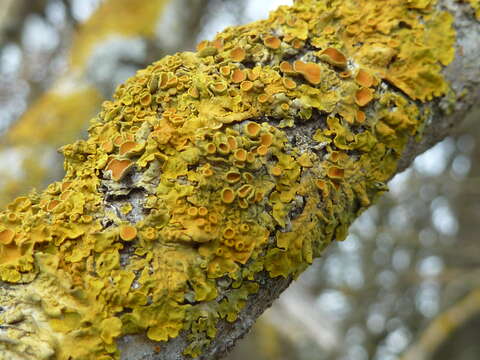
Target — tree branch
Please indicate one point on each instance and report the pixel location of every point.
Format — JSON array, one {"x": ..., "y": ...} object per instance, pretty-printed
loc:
[
  {"x": 213, "y": 179},
  {"x": 443, "y": 326}
]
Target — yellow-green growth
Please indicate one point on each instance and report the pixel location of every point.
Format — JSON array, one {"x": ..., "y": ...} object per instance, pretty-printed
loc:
[
  {"x": 59, "y": 117},
  {"x": 476, "y": 6},
  {"x": 250, "y": 155}
]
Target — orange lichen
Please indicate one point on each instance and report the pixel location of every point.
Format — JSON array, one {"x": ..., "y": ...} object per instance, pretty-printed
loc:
[
  {"x": 213, "y": 218},
  {"x": 232, "y": 142},
  {"x": 107, "y": 146},
  {"x": 360, "y": 117},
  {"x": 238, "y": 76},
  {"x": 240, "y": 155},
  {"x": 245, "y": 191},
  {"x": 65, "y": 185},
  {"x": 52, "y": 205},
  {"x": 127, "y": 232},
  {"x": 272, "y": 42},
  {"x": 228, "y": 195},
  {"x": 218, "y": 43},
  {"x": 286, "y": 67},
  {"x": 266, "y": 139},
  {"x": 252, "y": 129},
  {"x": 246, "y": 85},
  {"x": 219, "y": 87},
  {"x": 229, "y": 233},
  {"x": 297, "y": 44},
  {"x": 225, "y": 70},
  {"x": 129, "y": 147},
  {"x": 262, "y": 150},
  {"x": 335, "y": 172},
  {"x": 193, "y": 92},
  {"x": 149, "y": 233},
  {"x": 6, "y": 236},
  {"x": 263, "y": 98},
  {"x": 254, "y": 74},
  {"x": 364, "y": 78},
  {"x": 333, "y": 57},
  {"x": 211, "y": 148},
  {"x": 223, "y": 148},
  {"x": 192, "y": 211},
  {"x": 363, "y": 96},
  {"x": 276, "y": 171},
  {"x": 310, "y": 71},
  {"x": 237, "y": 54},
  {"x": 233, "y": 176},
  {"x": 289, "y": 83},
  {"x": 146, "y": 99},
  {"x": 118, "y": 140},
  {"x": 323, "y": 186},
  {"x": 118, "y": 168},
  {"x": 305, "y": 161}
]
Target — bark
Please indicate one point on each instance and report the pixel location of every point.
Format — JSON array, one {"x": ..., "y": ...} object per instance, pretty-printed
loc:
[{"x": 441, "y": 108}]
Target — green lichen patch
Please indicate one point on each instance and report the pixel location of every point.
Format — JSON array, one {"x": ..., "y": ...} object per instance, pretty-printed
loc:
[
  {"x": 476, "y": 6},
  {"x": 250, "y": 155}
]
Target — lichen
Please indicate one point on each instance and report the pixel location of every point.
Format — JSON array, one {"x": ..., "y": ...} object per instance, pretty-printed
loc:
[
  {"x": 59, "y": 116},
  {"x": 193, "y": 181},
  {"x": 476, "y": 6}
]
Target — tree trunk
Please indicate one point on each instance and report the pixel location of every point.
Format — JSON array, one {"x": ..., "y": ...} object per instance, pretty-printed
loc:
[{"x": 214, "y": 178}]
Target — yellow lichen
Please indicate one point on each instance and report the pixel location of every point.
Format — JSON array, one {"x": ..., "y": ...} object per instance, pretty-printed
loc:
[
  {"x": 127, "y": 232},
  {"x": 476, "y": 6},
  {"x": 225, "y": 192}
]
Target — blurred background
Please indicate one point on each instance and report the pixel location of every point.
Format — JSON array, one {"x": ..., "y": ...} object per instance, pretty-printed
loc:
[{"x": 405, "y": 284}]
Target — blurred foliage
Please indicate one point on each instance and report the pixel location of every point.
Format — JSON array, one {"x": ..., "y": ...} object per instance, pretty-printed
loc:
[{"x": 115, "y": 17}]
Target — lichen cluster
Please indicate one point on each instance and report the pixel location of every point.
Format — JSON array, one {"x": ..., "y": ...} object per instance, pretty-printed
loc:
[
  {"x": 59, "y": 116},
  {"x": 250, "y": 155},
  {"x": 476, "y": 6}
]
